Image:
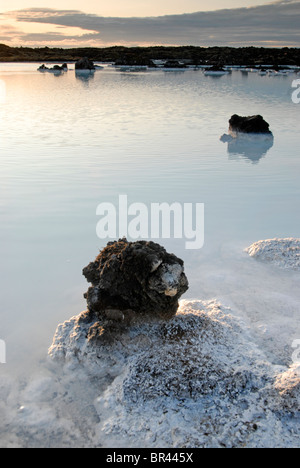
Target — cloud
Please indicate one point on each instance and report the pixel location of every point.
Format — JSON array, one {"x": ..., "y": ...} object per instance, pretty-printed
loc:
[{"x": 275, "y": 24}]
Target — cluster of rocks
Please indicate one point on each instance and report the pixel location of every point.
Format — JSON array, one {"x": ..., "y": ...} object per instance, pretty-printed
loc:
[
  {"x": 81, "y": 64},
  {"x": 55, "y": 68}
]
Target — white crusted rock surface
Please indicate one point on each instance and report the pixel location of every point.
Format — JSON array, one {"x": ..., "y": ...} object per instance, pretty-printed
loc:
[
  {"x": 197, "y": 380},
  {"x": 284, "y": 253}
]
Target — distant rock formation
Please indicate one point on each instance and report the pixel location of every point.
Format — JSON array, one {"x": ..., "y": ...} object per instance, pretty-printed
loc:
[
  {"x": 135, "y": 278},
  {"x": 174, "y": 64},
  {"x": 55, "y": 68},
  {"x": 84, "y": 64},
  {"x": 251, "y": 124}
]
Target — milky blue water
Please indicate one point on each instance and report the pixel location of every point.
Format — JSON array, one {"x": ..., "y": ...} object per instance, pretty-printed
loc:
[{"x": 68, "y": 143}]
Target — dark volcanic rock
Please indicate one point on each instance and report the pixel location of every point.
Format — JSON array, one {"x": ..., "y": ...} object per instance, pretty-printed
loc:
[
  {"x": 135, "y": 278},
  {"x": 58, "y": 68},
  {"x": 63, "y": 67},
  {"x": 251, "y": 124},
  {"x": 84, "y": 64},
  {"x": 174, "y": 64}
]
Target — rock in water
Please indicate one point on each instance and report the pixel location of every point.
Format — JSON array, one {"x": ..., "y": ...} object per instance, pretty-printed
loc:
[
  {"x": 284, "y": 253},
  {"x": 135, "y": 278},
  {"x": 251, "y": 124},
  {"x": 84, "y": 64}
]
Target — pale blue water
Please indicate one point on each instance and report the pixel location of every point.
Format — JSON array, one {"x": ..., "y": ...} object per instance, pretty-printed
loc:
[{"x": 68, "y": 143}]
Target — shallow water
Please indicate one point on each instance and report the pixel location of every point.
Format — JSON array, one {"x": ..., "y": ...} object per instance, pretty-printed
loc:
[{"x": 71, "y": 142}]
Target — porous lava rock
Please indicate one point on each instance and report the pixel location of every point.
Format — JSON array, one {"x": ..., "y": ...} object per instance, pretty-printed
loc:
[
  {"x": 132, "y": 279},
  {"x": 251, "y": 124}
]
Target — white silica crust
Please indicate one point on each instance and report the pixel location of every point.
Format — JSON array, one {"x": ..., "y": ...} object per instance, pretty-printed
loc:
[
  {"x": 284, "y": 253},
  {"x": 197, "y": 380}
]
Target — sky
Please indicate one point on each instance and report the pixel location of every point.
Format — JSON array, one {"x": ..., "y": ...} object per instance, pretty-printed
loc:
[
  {"x": 95, "y": 23},
  {"x": 128, "y": 8}
]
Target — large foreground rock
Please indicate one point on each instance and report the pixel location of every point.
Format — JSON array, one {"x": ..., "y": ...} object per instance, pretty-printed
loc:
[
  {"x": 197, "y": 380},
  {"x": 131, "y": 278},
  {"x": 251, "y": 124}
]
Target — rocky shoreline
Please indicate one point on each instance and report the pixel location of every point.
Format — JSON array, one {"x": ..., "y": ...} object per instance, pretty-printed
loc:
[{"x": 193, "y": 55}]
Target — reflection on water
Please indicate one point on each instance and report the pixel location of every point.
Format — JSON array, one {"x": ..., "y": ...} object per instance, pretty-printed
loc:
[
  {"x": 85, "y": 75},
  {"x": 52, "y": 72},
  {"x": 2, "y": 92},
  {"x": 252, "y": 147}
]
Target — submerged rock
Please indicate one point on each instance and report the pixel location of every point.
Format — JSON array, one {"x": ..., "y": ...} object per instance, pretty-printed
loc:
[
  {"x": 284, "y": 253},
  {"x": 135, "y": 278},
  {"x": 84, "y": 64},
  {"x": 251, "y": 124}
]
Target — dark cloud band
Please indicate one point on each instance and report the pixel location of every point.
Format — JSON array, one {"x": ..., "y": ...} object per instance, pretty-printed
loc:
[{"x": 276, "y": 23}]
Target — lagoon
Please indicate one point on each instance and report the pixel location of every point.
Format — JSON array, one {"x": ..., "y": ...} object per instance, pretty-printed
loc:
[{"x": 71, "y": 142}]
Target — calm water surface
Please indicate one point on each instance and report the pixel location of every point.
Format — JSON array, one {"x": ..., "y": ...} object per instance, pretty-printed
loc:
[{"x": 68, "y": 143}]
